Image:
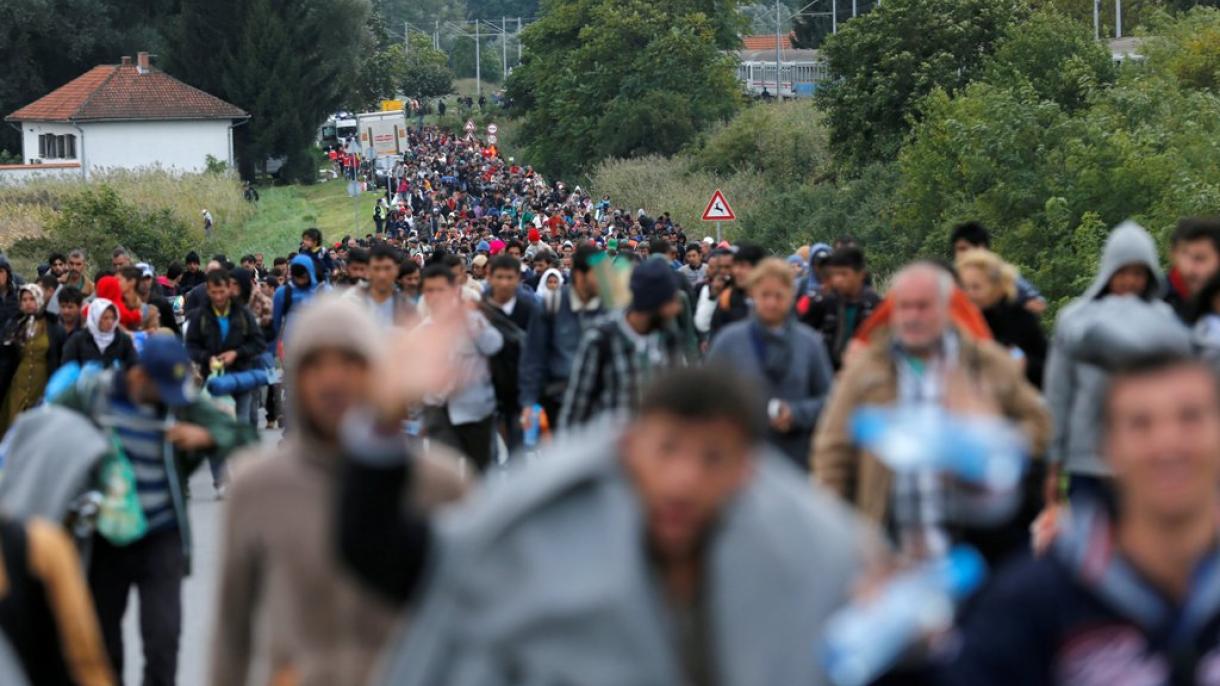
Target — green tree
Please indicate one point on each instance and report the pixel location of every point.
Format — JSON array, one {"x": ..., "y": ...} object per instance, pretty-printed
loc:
[
  {"x": 596, "y": 71},
  {"x": 1050, "y": 179},
  {"x": 249, "y": 52},
  {"x": 884, "y": 62},
  {"x": 425, "y": 72},
  {"x": 380, "y": 69},
  {"x": 1055, "y": 56},
  {"x": 462, "y": 58}
]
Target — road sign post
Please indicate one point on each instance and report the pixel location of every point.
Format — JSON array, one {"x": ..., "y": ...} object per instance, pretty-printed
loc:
[{"x": 718, "y": 210}]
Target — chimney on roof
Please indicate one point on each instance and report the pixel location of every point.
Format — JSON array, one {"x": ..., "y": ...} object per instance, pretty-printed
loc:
[
  {"x": 126, "y": 62},
  {"x": 142, "y": 62}
]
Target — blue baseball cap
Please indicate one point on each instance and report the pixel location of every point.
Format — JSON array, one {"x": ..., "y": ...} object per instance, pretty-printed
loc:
[{"x": 167, "y": 363}]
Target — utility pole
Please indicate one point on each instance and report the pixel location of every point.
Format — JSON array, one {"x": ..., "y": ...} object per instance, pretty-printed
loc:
[
  {"x": 478, "y": 74},
  {"x": 504, "y": 46},
  {"x": 834, "y": 16},
  {"x": 1118, "y": 18},
  {"x": 853, "y": 9},
  {"x": 779, "y": 93},
  {"x": 1097, "y": 20},
  {"x": 518, "y": 40},
  {"x": 436, "y": 35},
  {"x": 406, "y": 38}
]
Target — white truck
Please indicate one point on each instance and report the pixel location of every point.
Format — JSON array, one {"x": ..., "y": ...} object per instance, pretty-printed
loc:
[{"x": 384, "y": 132}]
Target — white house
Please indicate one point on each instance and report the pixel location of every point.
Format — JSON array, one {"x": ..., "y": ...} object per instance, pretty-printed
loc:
[{"x": 124, "y": 116}]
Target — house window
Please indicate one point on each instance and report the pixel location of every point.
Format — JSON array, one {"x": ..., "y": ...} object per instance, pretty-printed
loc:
[{"x": 57, "y": 147}]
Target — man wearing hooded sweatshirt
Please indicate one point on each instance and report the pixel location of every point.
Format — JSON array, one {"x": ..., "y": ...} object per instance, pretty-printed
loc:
[
  {"x": 1121, "y": 315},
  {"x": 301, "y": 287},
  {"x": 280, "y": 571}
]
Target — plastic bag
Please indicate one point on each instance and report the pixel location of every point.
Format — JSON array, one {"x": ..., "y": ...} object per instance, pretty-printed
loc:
[
  {"x": 226, "y": 403},
  {"x": 120, "y": 518}
]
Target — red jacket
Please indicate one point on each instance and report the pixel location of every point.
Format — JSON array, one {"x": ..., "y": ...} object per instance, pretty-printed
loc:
[{"x": 108, "y": 288}]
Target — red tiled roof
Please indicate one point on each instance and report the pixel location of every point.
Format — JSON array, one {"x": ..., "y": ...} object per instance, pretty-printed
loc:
[
  {"x": 116, "y": 92},
  {"x": 765, "y": 42}
]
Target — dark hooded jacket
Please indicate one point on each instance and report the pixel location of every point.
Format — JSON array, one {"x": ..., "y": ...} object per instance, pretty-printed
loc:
[{"x": 289, "y": 297}]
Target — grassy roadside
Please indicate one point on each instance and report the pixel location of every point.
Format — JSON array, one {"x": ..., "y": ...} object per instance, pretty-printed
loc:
[{"x": 285, "y": 211}]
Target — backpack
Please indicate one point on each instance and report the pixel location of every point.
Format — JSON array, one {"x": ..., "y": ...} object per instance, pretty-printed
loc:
[{"x": 504, "y": 365}]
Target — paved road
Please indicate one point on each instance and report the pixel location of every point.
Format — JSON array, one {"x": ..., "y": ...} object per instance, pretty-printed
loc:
[{"x": 198, "y": 592}]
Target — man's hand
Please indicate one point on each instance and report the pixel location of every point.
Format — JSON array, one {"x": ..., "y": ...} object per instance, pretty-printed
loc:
[
  {"x": 189, "y": 437},
  {"x": 1046, "y": 527},
  {"x": 418, "y": 363},
  {"x": 782, "y": 421}
]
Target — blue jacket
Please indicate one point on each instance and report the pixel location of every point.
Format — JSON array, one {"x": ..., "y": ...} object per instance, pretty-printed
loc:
[
  {"x": 550, "y": 347},
  {"x": 289, "y": 292}
]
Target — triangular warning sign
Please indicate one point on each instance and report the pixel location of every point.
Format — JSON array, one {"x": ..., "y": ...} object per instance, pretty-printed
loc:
[{"x": 718, "y": 209}]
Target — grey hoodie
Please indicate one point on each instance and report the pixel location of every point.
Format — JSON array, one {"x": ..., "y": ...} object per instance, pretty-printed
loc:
[
  {"x": 545, "y": 580},
  {"x": 1097, "y": 331}
]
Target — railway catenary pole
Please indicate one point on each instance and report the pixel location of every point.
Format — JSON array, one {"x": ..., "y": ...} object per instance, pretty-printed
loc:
[
  {"x": 478, "y": 72},
  {"x": 779, "y": 93}
]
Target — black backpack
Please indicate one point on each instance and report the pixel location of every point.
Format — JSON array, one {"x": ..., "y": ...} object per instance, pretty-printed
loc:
[{"x": 504, "y": 365}]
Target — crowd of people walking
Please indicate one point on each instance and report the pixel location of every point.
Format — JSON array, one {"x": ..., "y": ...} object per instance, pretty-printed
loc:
[{"x": 531, "y": 437}]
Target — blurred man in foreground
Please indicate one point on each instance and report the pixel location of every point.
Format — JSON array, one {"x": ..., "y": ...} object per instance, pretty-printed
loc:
[
  {"x": 278, "y": 541},
  {"x": 640, "y": 555},
  {"x": 1127, "y": 596}
]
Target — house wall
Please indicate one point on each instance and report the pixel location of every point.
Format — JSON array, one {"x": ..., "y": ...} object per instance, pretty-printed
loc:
[
  {"x": 30, "y": 131},
  {"x": 181, "y": 146}
]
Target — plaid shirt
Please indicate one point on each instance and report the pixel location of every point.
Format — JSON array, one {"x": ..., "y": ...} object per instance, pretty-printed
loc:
[
  {"x": 612, "y": 366},
  {"x": 919, "y": 513}
]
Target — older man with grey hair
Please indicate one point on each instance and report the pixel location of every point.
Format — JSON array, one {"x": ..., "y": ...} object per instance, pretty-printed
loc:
[{"x": 923, "y": 360}]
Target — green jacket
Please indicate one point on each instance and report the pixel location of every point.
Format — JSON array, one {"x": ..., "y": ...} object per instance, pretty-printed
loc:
[{"x": 90, "y": 396}]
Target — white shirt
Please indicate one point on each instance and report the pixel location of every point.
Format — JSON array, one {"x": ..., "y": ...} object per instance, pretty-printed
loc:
[{"x": 508, "y": 307}]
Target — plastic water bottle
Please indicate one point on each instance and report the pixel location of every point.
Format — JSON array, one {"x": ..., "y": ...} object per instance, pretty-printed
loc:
[
  {"x": 989, "y": 452},
  {"x": 533, "y": 427},
  {"x": 864, "y": 639}
]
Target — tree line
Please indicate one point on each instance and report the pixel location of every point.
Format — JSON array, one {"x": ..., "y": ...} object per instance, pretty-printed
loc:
[{"x": 289, "y": 64}]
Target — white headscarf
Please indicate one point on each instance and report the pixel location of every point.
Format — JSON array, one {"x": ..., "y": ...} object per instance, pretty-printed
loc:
[
  {"x": 93, "y": 322},
  {"x": 549, "y": 298}
]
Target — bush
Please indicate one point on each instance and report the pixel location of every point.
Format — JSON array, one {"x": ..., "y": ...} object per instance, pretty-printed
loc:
[
  {"x": 97, "y": 220},
  {"x": 787, "y": 142},
  {"x": 32, "y": 210}
]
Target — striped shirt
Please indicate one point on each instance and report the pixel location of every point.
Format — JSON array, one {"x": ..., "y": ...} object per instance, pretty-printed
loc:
[{"x": 141, "y": 431}]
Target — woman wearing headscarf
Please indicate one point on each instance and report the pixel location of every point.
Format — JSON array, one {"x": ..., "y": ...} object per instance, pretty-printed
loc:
[
  {"x": 31, "y": 341},
  {"x": 108, "y": 289},
  {"x": 548, "y": 289},
  {"x": 101, "y": 340}
]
